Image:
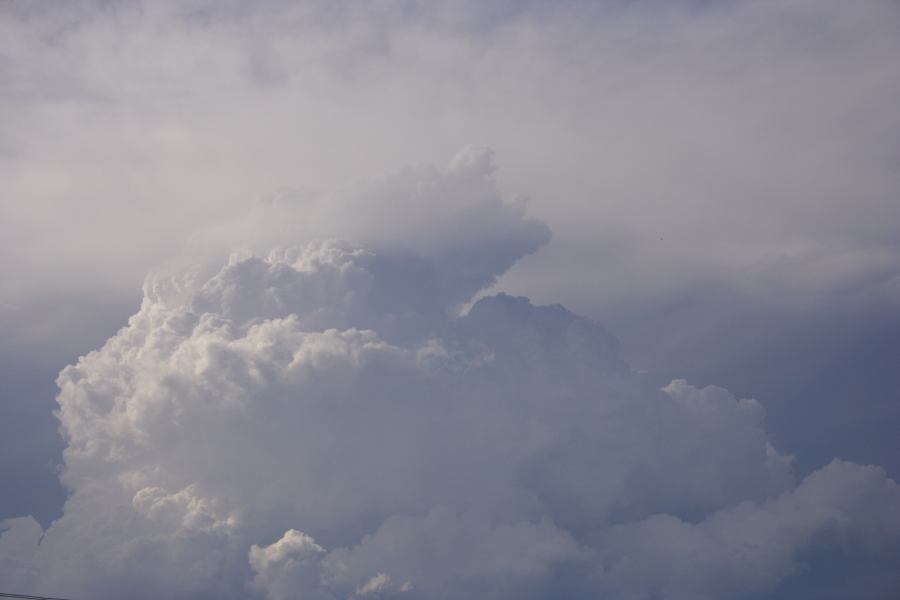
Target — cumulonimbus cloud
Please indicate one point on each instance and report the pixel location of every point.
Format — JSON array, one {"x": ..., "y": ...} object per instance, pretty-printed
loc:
[{"x": 320, "y": 421}]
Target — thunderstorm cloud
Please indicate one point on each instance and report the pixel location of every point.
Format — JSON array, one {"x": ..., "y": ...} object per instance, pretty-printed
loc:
[
  {"x": 278, "y": 323},
  {"x": 335, "y": 419}
]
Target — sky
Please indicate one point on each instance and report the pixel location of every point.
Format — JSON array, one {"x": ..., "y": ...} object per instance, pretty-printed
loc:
[{"x": 472, "y": 299}]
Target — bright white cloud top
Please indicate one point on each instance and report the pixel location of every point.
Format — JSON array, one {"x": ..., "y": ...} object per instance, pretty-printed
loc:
[{"x": 322, "y": 420}]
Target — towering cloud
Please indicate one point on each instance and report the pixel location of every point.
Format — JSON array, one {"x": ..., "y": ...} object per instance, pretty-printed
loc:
[{"x": 323, "y": 420}]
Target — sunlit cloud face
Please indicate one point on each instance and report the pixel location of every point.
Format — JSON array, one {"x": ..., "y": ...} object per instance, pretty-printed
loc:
[{"x": 321, "y": 391}]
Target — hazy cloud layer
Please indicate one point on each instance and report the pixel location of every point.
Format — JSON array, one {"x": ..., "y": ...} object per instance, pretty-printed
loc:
[
  {"x": 721, "y": 181},
  {"x": 753, "y": 139},
  {"x": 321, "y": 422}
]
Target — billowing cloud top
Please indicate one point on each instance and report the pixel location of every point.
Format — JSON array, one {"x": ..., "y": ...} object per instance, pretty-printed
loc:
[
  {"x": 448, "y": 226},
  {"x": 319, "y": 421}
]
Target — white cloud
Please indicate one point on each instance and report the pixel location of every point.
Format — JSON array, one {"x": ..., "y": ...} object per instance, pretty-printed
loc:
[
  {"x": 318, "y": 421},
  {"x": 378, "y": 583},
  {"x": 288, "y": 568}
]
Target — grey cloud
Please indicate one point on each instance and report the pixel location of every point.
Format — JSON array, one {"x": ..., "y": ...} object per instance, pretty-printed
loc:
[
  {"x": 721, "y": 184},
  {"x": 674, "y": 150},
  {"x": 308, "y": 424}
]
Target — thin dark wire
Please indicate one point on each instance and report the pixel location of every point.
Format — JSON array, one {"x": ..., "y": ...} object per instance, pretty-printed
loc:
[{"x": 6, "y": 595}]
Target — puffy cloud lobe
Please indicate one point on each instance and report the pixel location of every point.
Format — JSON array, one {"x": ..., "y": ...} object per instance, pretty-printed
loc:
[
  {"x": 318, "y": 422},
  {"x": 441, "y": 234},
  {"x": 747, "y": 548},
  {"x": 288, "y": 566}
]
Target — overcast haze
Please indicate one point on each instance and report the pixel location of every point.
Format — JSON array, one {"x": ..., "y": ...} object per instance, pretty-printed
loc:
[{"x": 472, "y": 299}]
